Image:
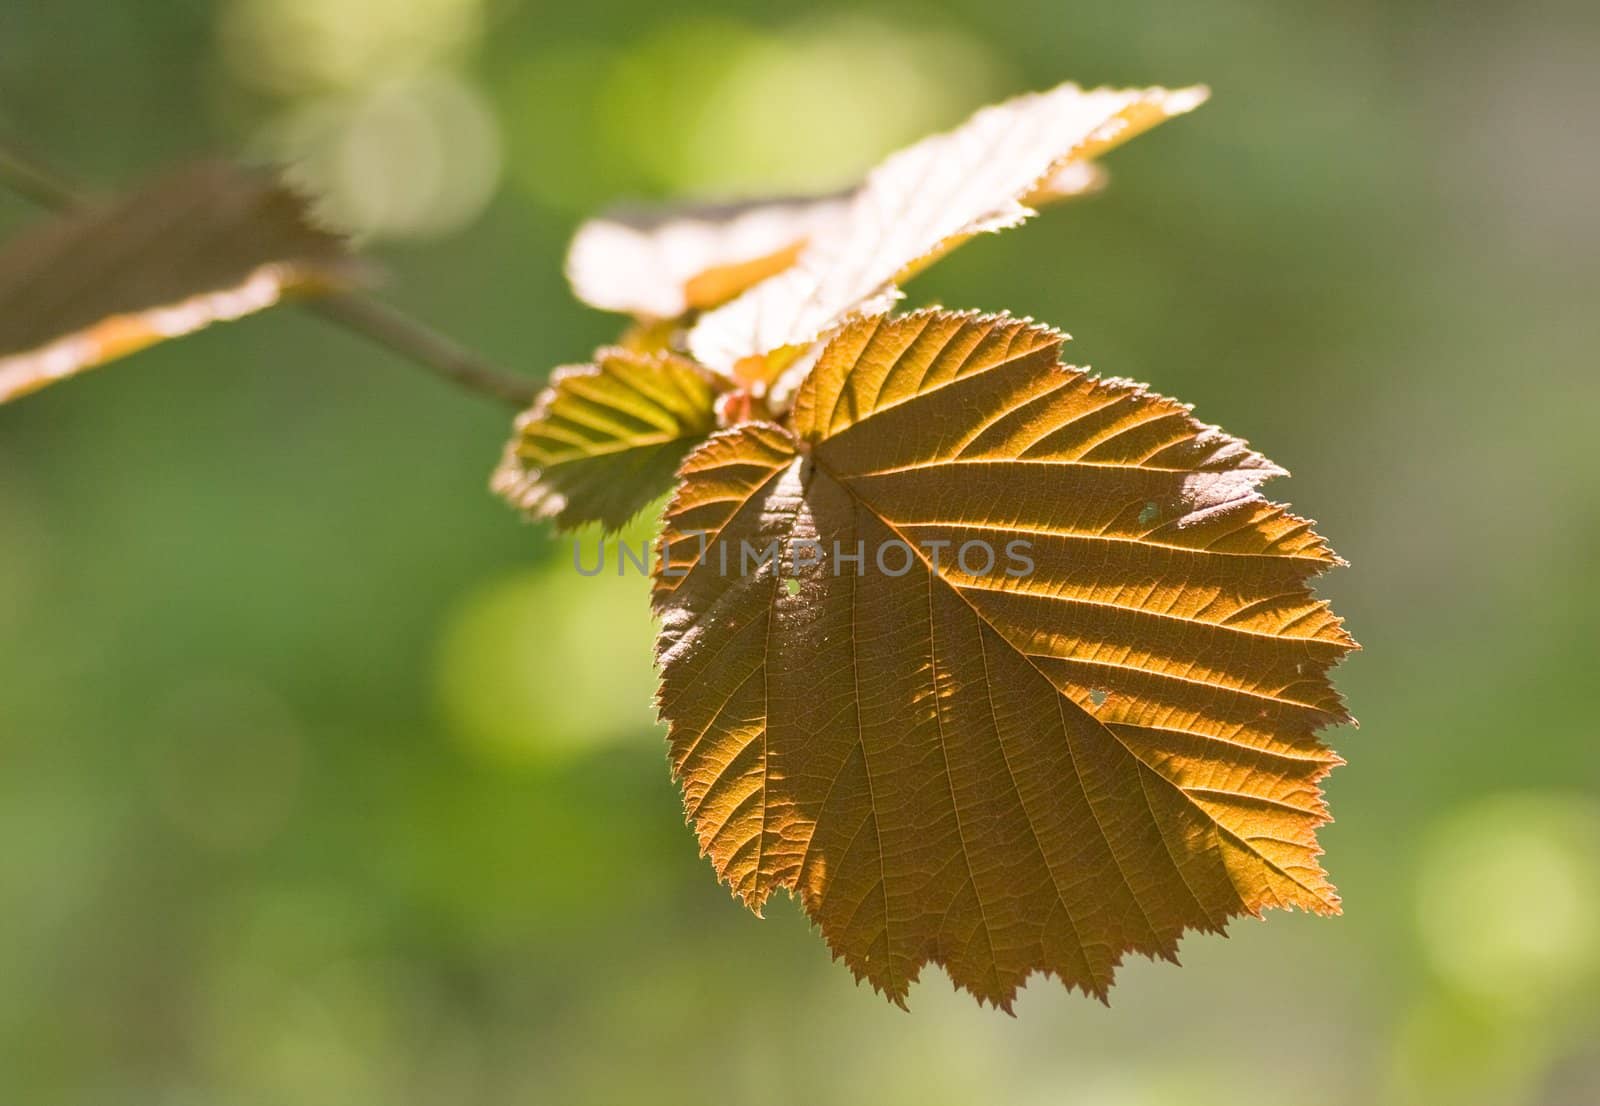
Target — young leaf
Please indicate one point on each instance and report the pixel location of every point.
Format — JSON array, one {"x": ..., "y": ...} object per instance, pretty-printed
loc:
[
  {"x": 949, "y": 755},
  {"x": 1072, "y": 180},
  {"x": 659, "y": 265},
  {"x": 605, "y": 439},
  {"x": 924, "y": 201},
  {"x": 662, "y": 264},
  {"x": 207, "y": 243}
]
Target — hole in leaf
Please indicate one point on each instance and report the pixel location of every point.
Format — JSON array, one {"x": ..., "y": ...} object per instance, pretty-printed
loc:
[
  {"x": 1097, "y": 696},
  {"x": 1148, "y": 514},
  {"x": 792, "y": 586}
]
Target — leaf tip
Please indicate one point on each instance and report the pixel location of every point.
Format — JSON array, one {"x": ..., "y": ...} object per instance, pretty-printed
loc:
[{"x": 1180, "y": 101}]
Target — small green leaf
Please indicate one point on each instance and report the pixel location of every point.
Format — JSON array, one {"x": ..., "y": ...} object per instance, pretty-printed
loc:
[{"x": 605, "y": 439}]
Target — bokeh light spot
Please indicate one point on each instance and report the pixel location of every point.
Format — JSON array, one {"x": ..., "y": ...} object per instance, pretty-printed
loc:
[
  {"x": 1508, "y": 899},
  {"x": 551, "y": 662},
  {"x": 298, "y": 46},
  {"x": 711, "y": 107},
  {"x": 417, "y": 158},
  {"x": 814, "y": 108}
]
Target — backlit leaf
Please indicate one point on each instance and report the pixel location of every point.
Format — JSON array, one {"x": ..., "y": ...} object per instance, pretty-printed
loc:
[
  {"x": 605, "y": 439},
  {"x": 924, "y": 201},
  {"x": 208, "y": 243},
  {"x": 999, "y": 773},
  {"x": 662, "y": 264},
  {"x": 1074, "y": 179},
  {"x": 659, "y": 265}
]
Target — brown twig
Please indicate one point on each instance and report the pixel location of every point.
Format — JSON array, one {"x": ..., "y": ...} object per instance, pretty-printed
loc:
[{"x": 390, "y": 327}]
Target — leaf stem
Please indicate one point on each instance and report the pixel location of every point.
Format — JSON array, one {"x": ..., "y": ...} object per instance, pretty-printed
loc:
[
  {"x": 373, "y": 319},
  {"x": 449, "y": 360}
]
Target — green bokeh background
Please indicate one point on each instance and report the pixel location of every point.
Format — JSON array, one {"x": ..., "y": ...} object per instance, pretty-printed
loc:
[{"x": 324, "y": 780}]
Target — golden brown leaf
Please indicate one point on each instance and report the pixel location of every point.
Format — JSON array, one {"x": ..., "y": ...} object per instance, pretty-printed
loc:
[
  {"x": 998, "y": 773},
  {"x": 603, "y": 440},
  {"x": 924, "y": 201},
  {"x": 207, "y": 243}
]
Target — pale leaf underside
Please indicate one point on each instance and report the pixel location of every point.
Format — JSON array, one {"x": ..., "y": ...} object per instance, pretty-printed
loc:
[
  {"x": 605, "y": 439},
  {"x": 924, "y": 201},
  {"x": 1000, "y": 774},
  {"x": 662, "y": 264},
  {"x": 208, "y": 243}
]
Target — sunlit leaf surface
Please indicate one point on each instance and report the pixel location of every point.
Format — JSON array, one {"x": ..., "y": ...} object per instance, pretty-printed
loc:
[
  {"x": 662, "y": 264},
  {"x": 947, "y": 758},
  {"x": 208, "y": 243},
  {"x": 605, "y": 439},
  {"x": 925, "y": 200}
]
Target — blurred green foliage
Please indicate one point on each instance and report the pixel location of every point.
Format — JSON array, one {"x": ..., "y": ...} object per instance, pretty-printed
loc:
[{"x": 327, "y": 781}]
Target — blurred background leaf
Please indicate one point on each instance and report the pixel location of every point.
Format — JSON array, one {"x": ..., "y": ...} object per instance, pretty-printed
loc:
[
  {"x": 271, "y": 836},
  {"x": 206, "y": 243}
]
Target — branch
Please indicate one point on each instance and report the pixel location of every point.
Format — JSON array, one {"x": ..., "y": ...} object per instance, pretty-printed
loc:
[
  {"x": 373, "y": 319},
  {"x": 390, "y": 327}
]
